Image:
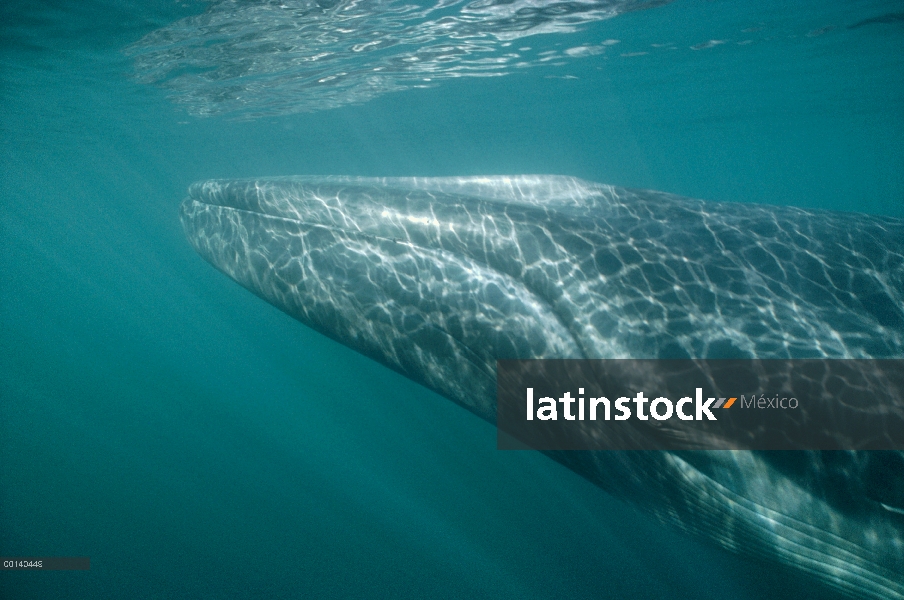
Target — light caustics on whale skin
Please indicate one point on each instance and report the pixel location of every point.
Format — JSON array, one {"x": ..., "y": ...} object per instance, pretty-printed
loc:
[
  {"x": 438, "y": 277},
  {"x": 268, "y": 58}
]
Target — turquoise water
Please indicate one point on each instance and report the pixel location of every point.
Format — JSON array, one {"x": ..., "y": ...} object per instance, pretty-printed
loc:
[{"x": 196, "y": 442}]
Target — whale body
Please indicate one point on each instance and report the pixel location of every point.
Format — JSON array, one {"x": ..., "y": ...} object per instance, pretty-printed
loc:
[{"x": 437, "y": 278}]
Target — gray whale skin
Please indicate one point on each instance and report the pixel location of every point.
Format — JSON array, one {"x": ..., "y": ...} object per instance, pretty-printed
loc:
[{"x": 436, "y": 278}]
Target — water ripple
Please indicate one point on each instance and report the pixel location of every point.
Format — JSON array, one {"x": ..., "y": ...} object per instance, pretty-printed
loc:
[{"x": 252, "y": 59}]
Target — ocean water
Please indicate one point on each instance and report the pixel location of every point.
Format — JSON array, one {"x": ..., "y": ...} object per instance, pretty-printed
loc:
[{"x": 196, "y": 442}]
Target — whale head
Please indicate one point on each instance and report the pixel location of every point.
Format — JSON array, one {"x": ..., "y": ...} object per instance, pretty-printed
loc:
[{"x": 388, "y": 268}]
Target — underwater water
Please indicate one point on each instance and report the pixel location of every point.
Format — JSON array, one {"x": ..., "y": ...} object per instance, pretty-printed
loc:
[{"x": 195, "y": 441}]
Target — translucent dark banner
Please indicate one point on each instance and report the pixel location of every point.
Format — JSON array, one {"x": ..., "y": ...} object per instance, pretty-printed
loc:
[{"x": 812, "y": 404}]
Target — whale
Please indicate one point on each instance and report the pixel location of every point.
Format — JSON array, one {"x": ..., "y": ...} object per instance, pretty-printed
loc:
[{"x": 438, "y": 278}]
